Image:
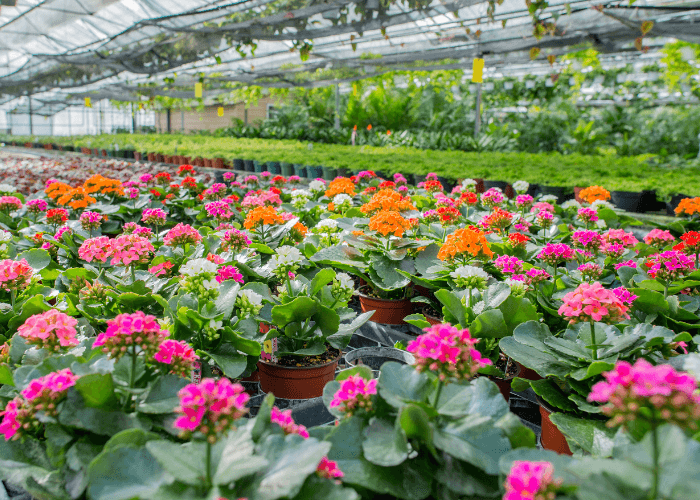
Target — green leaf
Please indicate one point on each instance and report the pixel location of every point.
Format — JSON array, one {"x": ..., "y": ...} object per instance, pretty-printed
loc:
[
  {"x": 97, "y": 389},
  {"x": 489, "y": 324},
  {"x": 183, "y": 461},
  {"x": 297, "y": 310},
  {"x": 322, "y": 278},
  {"x": 649, "y": 301},
  {"x": 415, "y": 422},
  {"x": 37, "y": 258},
  {"x": 232, "y": 457},
  {"x": 327, "y": 320},
  {"x": 231, "y": 362},
  {"x": 6, "y": 375},
  {"x": 362, "y": 370},
  {"x": 400, "y": 384},
  {"x": 417, "y": 320},
  {"x": 226, "y": 300},
  {"x": 454, "y": 306},
  {"x": 591, "y": 435},
  {"x": 162, "y": 395},
  {"x": 385, "y": 443},
  {"x": 125, "y": 473},
  {"x": 136, "y": 438},
  {"x": 551, "y": 394},
  {"x": 103, "y": 422},
  {"x": 516, "y": 311}
]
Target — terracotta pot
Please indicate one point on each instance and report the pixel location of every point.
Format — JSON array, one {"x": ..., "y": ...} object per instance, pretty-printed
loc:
[
  {"x": 504, "y": 384},
  {"x": 528, "y": 373},
  {"x": 480, "y": 188},
  {"x": 104, "y": 153},
  {"x": 138, "y": 156},
  {"x": 296, "y": 382},
  {"x": 85, "y": 151},
  {"x": 151, "y": 157},
  {"x": 387, "y": 312},
  {"x": 207, "y": 163},
  {"x": 218, "y": 163},
  {"x": 577, "y": 190},
  {"x": 552, "y": 438},
  {"x": 168, "y": 159},
  {"x": 510, "y": 192},
  {"x": 48, "y": 147},
  {"x": 160, "y": 158},
  {"x": 27, "y": 144}
]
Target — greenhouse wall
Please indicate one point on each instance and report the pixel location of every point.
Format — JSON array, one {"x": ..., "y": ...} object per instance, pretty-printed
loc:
[{"x": 209, "y": 119}]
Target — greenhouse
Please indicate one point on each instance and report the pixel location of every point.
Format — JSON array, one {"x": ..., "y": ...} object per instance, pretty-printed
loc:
[{"x": 349, "y": 249}]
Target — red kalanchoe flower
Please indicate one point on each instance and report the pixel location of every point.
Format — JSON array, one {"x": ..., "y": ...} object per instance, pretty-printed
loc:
[{"x": 57, "y": 216}]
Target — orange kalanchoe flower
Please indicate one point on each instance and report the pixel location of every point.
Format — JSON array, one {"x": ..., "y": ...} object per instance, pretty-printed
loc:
[
  {"x": 388, "y": 222},
  {"x": 299, "y": 231},
  {"x": 57, "y": 189},
  {"x": 387, "y": 199},
  {"x": 100, "y": 184},
  {"x": 466, "y": 242},
  {"x": 687, "y": 206},
  {"x": 260, "y": 216},
  {"x": 594, "y": 193},
  {"x": 340, "y": 185},
  {"x": 76, "y": 198}
]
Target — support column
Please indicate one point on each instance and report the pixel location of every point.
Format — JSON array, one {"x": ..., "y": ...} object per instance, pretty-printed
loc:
[
  {"x": 477, "y": 122},
  {"x": 168, "y": 120},
  {"x": 337, "y": 106},
  {"x": 31, "y": 122}
]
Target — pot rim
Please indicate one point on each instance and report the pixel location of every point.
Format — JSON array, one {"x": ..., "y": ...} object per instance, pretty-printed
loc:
[
  {"x": 381, "y": 300},
  {"x": 505, "y": 379},
  {"x": 275, "y": 365},
  {"x": 544, "y": 405}
]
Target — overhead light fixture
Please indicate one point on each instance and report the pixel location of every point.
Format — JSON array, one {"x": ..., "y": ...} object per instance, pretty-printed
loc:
[{"x": 8, "y": 3}]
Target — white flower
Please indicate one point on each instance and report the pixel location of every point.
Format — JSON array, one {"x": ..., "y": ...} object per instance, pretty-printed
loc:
[
  {"x": 317, "y": 186},
  {"x": 602, "y": 204},
  {"x": 253, "y": 298},
  {"x": 466, "y": 183},
  {"x": 301, "y": 193},
  {"x": 211, "y": 284},
  {"x": 215, "y": 325},
  {"x": 287, "y": 257},
  {"x": 549, "y": 198},
  {"x": 345, "y": 280},
  {"x": 198, "y": 266},
  {"x": 468, "y": 272},
  {"x": 6, "y": 188},
  {"x": 521, "y": 186},
  {"x": 5, "y": 236},
  {"x": 341, "y": 198},
  {"x": 327, "y": 224},
  {"x": 570, "y": 204}
]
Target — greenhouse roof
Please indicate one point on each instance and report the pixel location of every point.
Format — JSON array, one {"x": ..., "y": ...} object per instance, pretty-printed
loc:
[{"x": 63, "y": 50}]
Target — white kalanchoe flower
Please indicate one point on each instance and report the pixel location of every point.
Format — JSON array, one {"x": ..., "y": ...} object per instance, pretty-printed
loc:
[
  {"x": 316, "y": 186},
  {"x": 345, "y": 280},
  {"x": 571, "y": 204},
  {"x": 342, "y": 198},
  {"x": 468, "y": 184},
  {"x": 521, "y": 187},
  {"x": 301, "y": 193},
  {"x": 342, "y": 287},
  {"x": 198, "y": 266},
  {"x": 549, "y": 198},
  {"x": 470, "y": 277},
  {"x": 249, "y": 303},
  {"x": 6, "y": 188},
  {"x": 285, "y": 261},
  {"x": 327, "y": 225},
  {"x": 602, "y": 204},
  {"x": 517, "y": 288},
  {"x": 5, "y": 237}
]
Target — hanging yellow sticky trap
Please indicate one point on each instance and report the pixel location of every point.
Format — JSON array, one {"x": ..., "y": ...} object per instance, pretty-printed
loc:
[
  {"x": 220, "y": 111},
  {"x": 88, "y": 104},
  {"x": 478, "y": 70},
  {"x": 354, "y": 89},
  {"x": 140, "y": 105},
  {"x": 198, "y": 90}
]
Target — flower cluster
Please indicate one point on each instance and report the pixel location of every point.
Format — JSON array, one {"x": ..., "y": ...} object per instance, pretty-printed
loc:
[
  {"x": 234, "y": 241},
  {"x": 508, "y": 264},
  {"x": 181, "y": 235},
  {"x": 249, "y": 303},
  {"x": 130, "y": 249},
  {"x": 286, "y": 422},
  {"x": 219, "y": 210},
  {"x": 469, "y": 277},
  {"x": 178, "y": 355},
  {"x": 154, "y": 216},
  {"x": 15, "y": 275},
  {"x": 594, "y": 193},
  {"x": 688, "y": 206},
  {"x": 556, "y": 253},
  {"x": 464, "y": 244},
  {"x": 328, "y": 469},
  {"x": 498, "y": 220},
  {"x": 492, "y": 198},
  {"x": 588, "y": 240},
  {"x": 524, "y": 201},
  {"x": 592, "y": 302},
  {"x": 56, "y": 216},
  {"x": 210, "y": 408},
  {"x": 9, "y": 204},
  {"x": 90, "y": 221},
  {"x": 129, "y": 332},
  {"x": 37, "y": 206},
  {"x": 588, "y": 215},
  {"x": 286, "y": 260},
  {"x": 387, "y": 199},
  {"x": 669, "y": 265},
  {"x": 342, "y": 287},
  {"x": 262, "y": 216},
  {"x": 631, "y": 392},
  {"x": 229, "y": 273},
  {"x": 355, "y": 394},
  {"x": 51, "y": 330},
  {"x": 199, "y": 278},
  {"x": 590, "y": 271},
  {"x": 531, "y": 481},
  {"x": 387, "y": 222},
  {"x": 447, "y": 351},
  {"x": 340, "y": 185}
]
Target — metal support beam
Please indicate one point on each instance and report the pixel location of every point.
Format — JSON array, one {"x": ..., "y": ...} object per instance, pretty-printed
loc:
[
  {"x": 31, "y": 123},
  {"x": 477, "y": 122},
  {"x": 337, "y": 106},
  {"x": 169, "y": 121}
]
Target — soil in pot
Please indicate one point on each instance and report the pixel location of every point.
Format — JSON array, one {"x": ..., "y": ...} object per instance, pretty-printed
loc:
[
  {"x": 294, "y": 377},
  {"x": 387, "y": 312},
  {"x": 434, "y": 317},
  {"x": 511, "y": 369},
  {"x": 552, "y": 438}
]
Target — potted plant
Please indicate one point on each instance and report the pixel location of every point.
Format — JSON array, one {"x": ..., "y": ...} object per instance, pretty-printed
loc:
[{"x": 287, "y": 168}]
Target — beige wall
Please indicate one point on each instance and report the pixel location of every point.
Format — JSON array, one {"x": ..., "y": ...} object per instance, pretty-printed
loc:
[{"x": 208, "y": 118}]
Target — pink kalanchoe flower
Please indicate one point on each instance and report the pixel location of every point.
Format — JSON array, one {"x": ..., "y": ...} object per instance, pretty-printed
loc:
[
  {"x": 216, "y": 259},
  {"x": 590, "y": 271},
  {"x": 286, "y": 422},
  {"x": 620, "y": 236},
  {"x": 161, "y": 269},
  {"x": 294, "y": 179},
  {"x": 229, "y": 176},
  {"x": 9, "y": 203},
  {"x": 42, "y": 394},
  {"x": 329, "y": 469},
  {"x": 154, "y": 216},
  {"x": 63, "y": 231},
  {"x": 229, "y": 273},
  {"x": 544, "y": 219},
  {"x": 491, "y": 198},
  {"x": 236, "y": 184},
  {"x": 132, "y": 193},
  {"x": 556, "y": 253},
  {"x": 588, "y": 215},
  {"x": 524, "y": 201},
  {"x": 210, "y": 407},
  {"x": 588, "y": 240},
  {"x": 134, "y": 228},
  {"x": 146, "y": 178},
  {"x": 628, "y": 263},
  {"x": 219, "y": 210},
  {"x": 625, "y": 295},
  {"x": 659, "y": 238},
  {"x": 542, "y": 206},
  {"x": 631, "y": 391},
  {"x": 37, "y": 206},
  {"x": 130, "y": 331},
  {"x": 531, "y": 481},
  {"x": 99, "y": 249},
  {"x": 234, "y": 241},
  {"x": 593, "y": 302},
  {"x": 613, "y": 250},
  {"x": 181, "y": 235},
  {"x": 129, "y": 249},
  {"x": 402, "y": 189},
  {"x": 447, "y": 351},
  {"x": 522, "y": 225},
  {"x": 355, "y": 393},
  {"x": 90, "y": 221},
  {"x": 51, "y": 330},
  {"x": 178, "y": 354},
  {"x": 670, "y": 265},
  {"x": 15, "y": 275},
  {"x": 508, "y": 264}
]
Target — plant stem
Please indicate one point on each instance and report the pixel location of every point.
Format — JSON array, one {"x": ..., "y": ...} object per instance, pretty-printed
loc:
[
  {"x": 208, "y": 465},
  {"x": 554, "y": 280},
  {"x": 593, "y": 341},
  {"x": 666, "y": 289},
  {"x": 13, "y": 294},
  {"x": 655, "y": 450},
  {"x": 132, "y": 376},
  {"x": 437, "y": 394},
  {"x": 133, "y": 274}
]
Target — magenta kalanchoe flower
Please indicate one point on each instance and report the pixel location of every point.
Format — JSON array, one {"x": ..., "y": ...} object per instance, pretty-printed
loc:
[
  {"x": 37, "y": 206},
  {"x": 670, "y": 265},
  {"x": 556, "y": 253},
  {"x": 588, "y": 215},
  {"x": 234, "y": 241},
  {"x": 128, "y": 331},
  {"x": 524, "y": 201},
  {"x": 181, "y": 235},
  {"x": 508, "y": 264},
  {"x": 229, "y": 176},
  {"x": 625, "y": 295},
  {"x": 621, "y": 237},
  {"x": 588, "y": 240},
  {"x": 154, "y": 216},
  {"x": 628, "y": 263},
  {"x": 9, "y": 203},
  {"x": 178, "y": 355},
  {"x": 629, "y": 390},
  {"x": 544, "y": 219},
  {"x": 535, "y": 275},
  {"x": 329, "y": 469},
  {"x": 90, "y": 221},
  {"x": 590, "y": 271},
  {"x": 447, "y": 351},
  {"x": 531, "y": 481},
  {"x": 491, "y": 198},
  {"x": 51, "y": 330},
  {"x": 210, "y": 407},
  {"x": 62, "y": 231},
  {"x": 659, "y": 238},
  {"x": 286, "y": 422},
  {"x": 42, "y": 394},
  {"x": 218, "y": 210},
  {"x": 542, "y": 206},
  {"x": 613, "y": 250},
  {"x": 355, "y": 393},
  {"x": 593, "y": 302},
  {"x": 229, "y": 273}
]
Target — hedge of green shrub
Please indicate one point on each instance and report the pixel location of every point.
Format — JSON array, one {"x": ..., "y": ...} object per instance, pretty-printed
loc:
[{"x": 634, "y": 173}]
